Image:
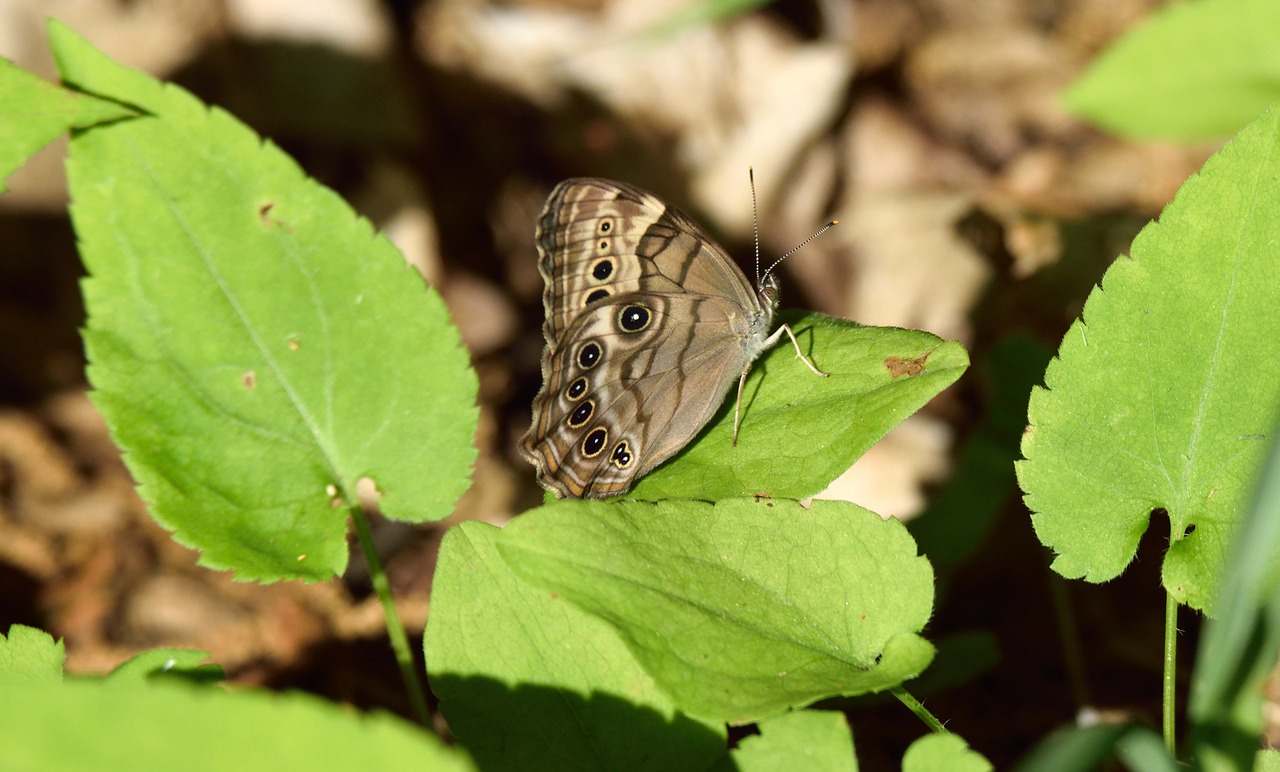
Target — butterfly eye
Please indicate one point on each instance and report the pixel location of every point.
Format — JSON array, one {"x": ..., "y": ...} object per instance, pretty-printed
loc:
[
  {"x": 582, "y": 414},
  {"x": 599, "y": 294},
  {"x": 589, "y": 355},
  {"x": 602, "y": 270},
  {"x": 576, "y": 389},
  {"x": 634, "y": 318},
  {"x": 622, "y": 456},
  {"x": 594, "y": 442}
]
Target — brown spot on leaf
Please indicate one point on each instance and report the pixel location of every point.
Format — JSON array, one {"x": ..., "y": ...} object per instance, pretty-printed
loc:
[
  {"x": 909, "y": 367},
  {"x": 250, "y": 380}
]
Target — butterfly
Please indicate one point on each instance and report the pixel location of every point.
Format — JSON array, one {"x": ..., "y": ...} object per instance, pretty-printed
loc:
[{"x": 648, "y": 325}]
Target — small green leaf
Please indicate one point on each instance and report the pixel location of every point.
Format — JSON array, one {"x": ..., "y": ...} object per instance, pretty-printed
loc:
[
  {"x": 811, "y": 740},
  {"x": 744, "y": 609},
  {"x": 943, "y": 753},
  {"x": 701, "y": 13},
  {"x": 33, "y": 113},
  {"x": 800, "y": 431},
  {"x": 168, "y": 725},
  {"x": 1084, "y": 749},
  {"x": 527, "y": 681},
  {"x": 1164, "y": 393},
  {"x": 254, "y": 347},
  {"x": 1192, "y": 71},
  {"x": 29, "y": 655}
]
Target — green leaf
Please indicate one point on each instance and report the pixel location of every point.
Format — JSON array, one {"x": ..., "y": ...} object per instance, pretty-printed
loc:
[
  {"x": 1193, "y": 70},
  {"x": 254, "y": 347},
  {"x": 701, "y": 13},
  {"x": 31, "y": 656},
  {"x": 1266, "y": 760},
  {"x": 180, "y": 662},
  {"x": 943, "y": 752},
  {"x": 1083, "y": 749},
  {"x": 744, "y": 609},
  {"x": 799, "y": 431},
  {"x": 34, "y": 113},
  {"x": 527, "y": 681},
  {"x": 1238, "y": 647},
  {"x": 168, "y": 725},
  {"x": 812, "y": 740},
  {"x": 1163, "y": 394}
]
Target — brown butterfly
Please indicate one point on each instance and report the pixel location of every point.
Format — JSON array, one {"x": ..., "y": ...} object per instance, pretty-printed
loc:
[{"x": 648, "y": 324}]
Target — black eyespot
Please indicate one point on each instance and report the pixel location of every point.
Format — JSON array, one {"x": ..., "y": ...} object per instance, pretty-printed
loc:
[
  {"x": 602, "y": 270},
  {"x": 576, "y": 389},
  {"x": 582, "y": 414},
  {"x": 599, "y": 294},
  {"x": 594, "y": 442},
  {"x": 604, "y": 245},
  {"x": 634, "y": 318},
  {"x": 606, "y": 226},
  {"x": 622, "y": 456},
  {"x": 589, "y": 355}
]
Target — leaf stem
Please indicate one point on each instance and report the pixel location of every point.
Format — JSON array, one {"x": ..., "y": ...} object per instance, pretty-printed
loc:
[
  {"x": 1170, "y": 671},
  {"x": 395, "y": 628},
  {"x": 919, "y": 709}
]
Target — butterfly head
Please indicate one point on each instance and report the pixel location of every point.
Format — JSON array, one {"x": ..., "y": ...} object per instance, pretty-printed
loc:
[{"x": 767, "y": 289}]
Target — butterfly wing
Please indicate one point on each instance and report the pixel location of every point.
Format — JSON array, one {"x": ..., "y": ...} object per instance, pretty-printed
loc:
[
  {"x": 598, "y": 238},
  {"x": 639, "y": 353}
]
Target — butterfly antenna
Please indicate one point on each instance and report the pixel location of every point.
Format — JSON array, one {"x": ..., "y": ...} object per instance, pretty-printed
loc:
[
  {"x": 797, "y": 247},
  {"x": 755, "y": 220}
]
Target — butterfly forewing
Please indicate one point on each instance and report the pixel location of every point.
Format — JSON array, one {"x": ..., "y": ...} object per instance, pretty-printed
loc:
[{"x": 648, "y": 323}]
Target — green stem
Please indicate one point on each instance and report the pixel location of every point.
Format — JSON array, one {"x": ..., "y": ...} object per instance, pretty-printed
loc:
[
  {"x": 919, "y": 709},
  {"x": 395, "y": 628},
  {"x": 1170, "y": 671},
  {"x": 1069, "y": 634}
]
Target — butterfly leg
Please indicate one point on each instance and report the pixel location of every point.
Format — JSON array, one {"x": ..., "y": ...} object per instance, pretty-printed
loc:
[
  {"x": 799, "y": 354},
  {"x": 742, "y": 380},
  {"x": 737, "y": 405}
]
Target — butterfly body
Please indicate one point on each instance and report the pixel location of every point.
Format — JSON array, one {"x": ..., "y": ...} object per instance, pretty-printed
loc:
[{"x": 648, "y": 325}]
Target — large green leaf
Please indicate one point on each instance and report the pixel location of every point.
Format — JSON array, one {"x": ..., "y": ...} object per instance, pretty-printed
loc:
[
  {"x": 743, "y": 609},
  {"x": 529, "y": 682},
  {"x": 799, "y": 431},
  {"x": 1164, "y": 393},
  {"x": 127, "y": 721},
  {"x": 1194, "y": 70},
  {"x": 33, "y": 113},
  {"x": 255, "y": 348},
  {"x": 167, "y": 725}
]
